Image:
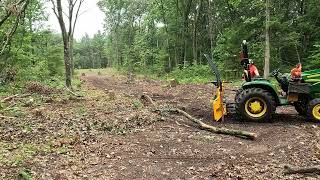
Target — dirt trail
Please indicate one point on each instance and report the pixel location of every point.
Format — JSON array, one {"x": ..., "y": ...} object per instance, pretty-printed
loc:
[
  {"x": 182, "y": 152},
  {"x": 117, "y": 138}
]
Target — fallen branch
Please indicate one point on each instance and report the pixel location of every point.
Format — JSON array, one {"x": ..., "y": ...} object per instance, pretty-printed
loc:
[
  {"x": 301, "y": 170},
  {"x": 6, "y": 117},
  {"x": 72, "y": 93},
  {"x": 217, "y": 130},
  {"x": 182, "y": 124},
  {"x": 9, "y": 107},
  {"x": 7, "y": 99},
  {"x": 10, "y": 98}
]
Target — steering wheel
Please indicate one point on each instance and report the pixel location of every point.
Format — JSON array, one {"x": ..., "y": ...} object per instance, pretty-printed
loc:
[{"x": 275, "y": 72}]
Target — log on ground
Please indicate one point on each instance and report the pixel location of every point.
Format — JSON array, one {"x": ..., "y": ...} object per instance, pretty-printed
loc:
[
  {"x": 213, "y": 129},
  {"x": 301, "y": 170}
]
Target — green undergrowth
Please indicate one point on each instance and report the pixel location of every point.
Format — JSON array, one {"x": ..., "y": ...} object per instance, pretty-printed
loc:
[
  {"x": 192, "y": 74},
  {"x": 18, "y": 87},
  {"x": 15, "y": 154}
]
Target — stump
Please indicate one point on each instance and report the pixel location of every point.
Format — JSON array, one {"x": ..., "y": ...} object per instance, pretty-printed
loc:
[{"x": 173, "y": 83}]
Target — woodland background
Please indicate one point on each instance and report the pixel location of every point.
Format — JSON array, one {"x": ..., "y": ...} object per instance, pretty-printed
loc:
[{"x": 164, "y": 38}]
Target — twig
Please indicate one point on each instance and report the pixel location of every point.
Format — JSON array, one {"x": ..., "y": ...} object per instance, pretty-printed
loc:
[
  {"x": 217, "y": 130},
  {"x": 6, "y": 117},
  {"x": 9, "y": 98},
  {"x": 9, "y": 107},
  {"x": 301, "y": 170},
  {"x": 74, "y": 94},
  {"x": 182, "y": 124}
]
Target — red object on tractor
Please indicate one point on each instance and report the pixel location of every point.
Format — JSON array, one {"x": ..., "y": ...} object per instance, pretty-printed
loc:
[{"x": 296, "y": 72}]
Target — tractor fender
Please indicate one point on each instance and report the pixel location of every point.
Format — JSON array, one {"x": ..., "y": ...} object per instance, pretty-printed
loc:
[{"x": 265, "y": 85}]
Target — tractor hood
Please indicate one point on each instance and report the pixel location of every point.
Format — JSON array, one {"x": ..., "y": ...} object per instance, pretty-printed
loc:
[{"x": 311, "y": 76}]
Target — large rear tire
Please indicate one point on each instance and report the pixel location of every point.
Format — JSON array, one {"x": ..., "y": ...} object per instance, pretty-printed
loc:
[
  {"x": 301, "y": 108},
  {"x": 314, "y": 110},
  {"x": 255, "y": 104}
]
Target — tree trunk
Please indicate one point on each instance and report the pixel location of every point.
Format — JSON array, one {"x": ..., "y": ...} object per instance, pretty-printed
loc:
[
  {"x": 66, "y": 44},
  {"x": 67, "y": 36},
  {"x": 267, "y": 51},
  {"x": 68, "y": 66},
  {"x": 71, "y": 55},
  {"x": 210, "y": 25},
  {"x": 185, "y": 32},
  {"x": 195, "y": 38},
  {"x": 185, "y": 63}
]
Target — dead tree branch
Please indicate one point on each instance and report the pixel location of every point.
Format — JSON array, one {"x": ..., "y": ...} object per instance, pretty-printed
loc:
[
  {"x": 238, "y": 133},
  {"x": 9, "y": 98},
  {"x": 213, "y": 129},
  {"x": 6, "y": 117},
  {"x": 301, "y": 170}
]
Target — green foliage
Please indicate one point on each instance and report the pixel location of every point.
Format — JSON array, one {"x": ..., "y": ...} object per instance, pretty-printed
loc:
[
  {"x": 161, "y": 36},
  {"x": 24, "y": 175},
  {"x": 315, "y": 57},
  {"x": 137, "y": 104},
  {"x": 34, "y": 54},
  {"x": 193, "y": 74},
  {"x": 90, "y": 52}
]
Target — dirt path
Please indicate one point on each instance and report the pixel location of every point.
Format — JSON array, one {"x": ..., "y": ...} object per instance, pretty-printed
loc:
[
  {"x": 182, "y": 152},
  {"x": 118, "y": 138}
]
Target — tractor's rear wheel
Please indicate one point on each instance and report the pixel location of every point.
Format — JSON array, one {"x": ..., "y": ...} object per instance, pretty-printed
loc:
[
  {"x": 255, "y": 104},
  {"x": 314, "y": 110},
  {"x": 301, "y": 108},
  {"x": 238, "y": 92}
]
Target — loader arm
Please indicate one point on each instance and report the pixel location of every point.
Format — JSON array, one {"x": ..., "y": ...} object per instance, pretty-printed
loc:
[{"x": 218, "y": 107}]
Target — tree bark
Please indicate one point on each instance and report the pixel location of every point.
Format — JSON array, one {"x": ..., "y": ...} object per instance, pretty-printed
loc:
[
  {"x": 185, "y": 32},
  {"x": 210, "y": 18},
  {"x": 267, "y": 51},
  {"x": 195, "y": 39}
]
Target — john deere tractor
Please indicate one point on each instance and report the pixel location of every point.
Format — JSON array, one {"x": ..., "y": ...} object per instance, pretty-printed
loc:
[{"x": 258, "y": 98}]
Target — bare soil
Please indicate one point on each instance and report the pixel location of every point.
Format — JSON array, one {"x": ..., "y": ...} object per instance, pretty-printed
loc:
[{"x": 110, "y": 134}]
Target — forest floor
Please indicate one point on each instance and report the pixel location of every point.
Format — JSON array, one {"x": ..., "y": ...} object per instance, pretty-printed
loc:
[{"x": 110, "y": 134}]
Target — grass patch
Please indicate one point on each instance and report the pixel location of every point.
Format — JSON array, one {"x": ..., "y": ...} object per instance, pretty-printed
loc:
[
  {"x": 15, "y": 154},
  {"x": 81, "y": 111}
]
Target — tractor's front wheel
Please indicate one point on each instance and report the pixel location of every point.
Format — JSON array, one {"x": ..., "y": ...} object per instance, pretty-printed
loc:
[
  {"x": 314, "y": 110},
  {"x": 255, "y": 104}
]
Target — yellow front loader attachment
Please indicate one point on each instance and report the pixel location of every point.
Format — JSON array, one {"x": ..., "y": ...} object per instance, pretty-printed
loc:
[{"x": 219, "y": 108}]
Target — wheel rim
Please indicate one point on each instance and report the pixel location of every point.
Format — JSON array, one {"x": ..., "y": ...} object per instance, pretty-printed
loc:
[
  {"x": 256, "y": 107},
  {"x": 316, "y": 112}
]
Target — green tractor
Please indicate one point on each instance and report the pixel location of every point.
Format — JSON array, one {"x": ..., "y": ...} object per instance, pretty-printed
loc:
[{"x": 258, "y": 98}]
